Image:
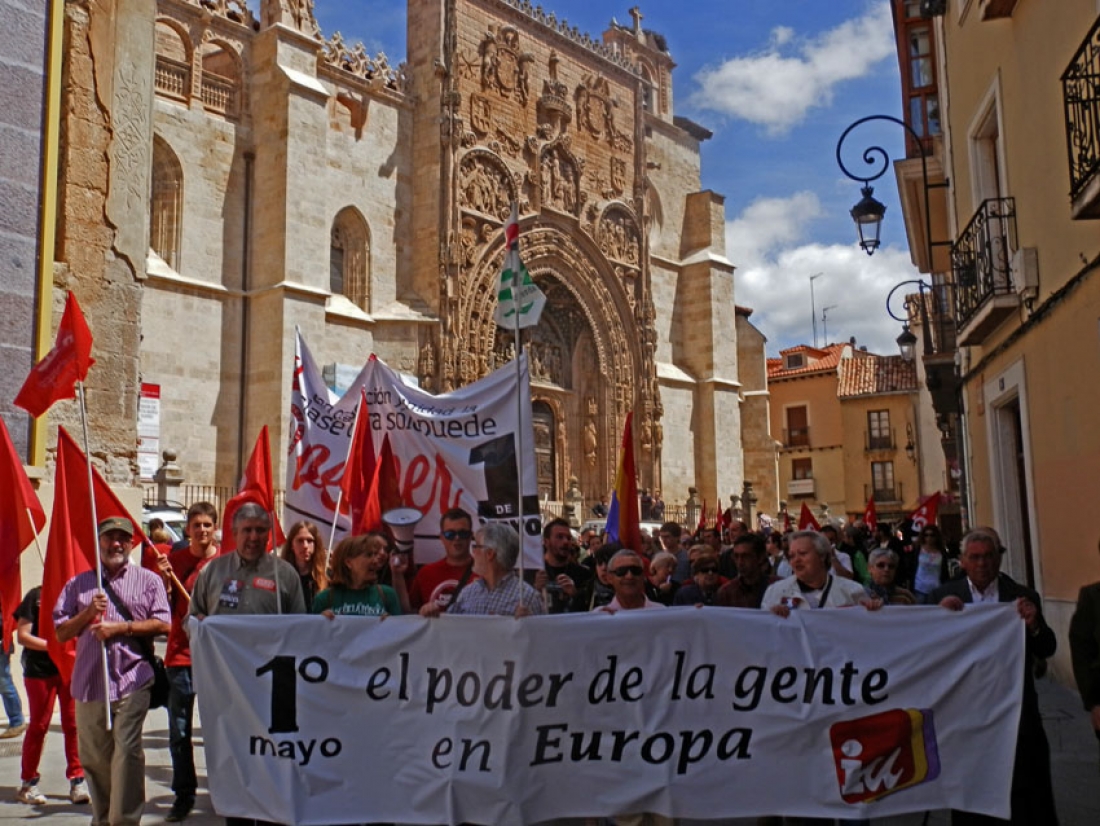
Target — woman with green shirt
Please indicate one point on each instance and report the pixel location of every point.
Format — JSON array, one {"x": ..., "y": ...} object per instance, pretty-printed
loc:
[{"x": 354, "y": 590}]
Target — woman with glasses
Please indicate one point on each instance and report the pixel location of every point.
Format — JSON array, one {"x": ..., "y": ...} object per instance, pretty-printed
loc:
[
  {"x": 883, "y": 568},
  {"x": 931, "y": 563}
]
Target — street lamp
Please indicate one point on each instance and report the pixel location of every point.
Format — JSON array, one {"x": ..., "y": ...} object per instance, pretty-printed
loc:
[
  {"x": 907, "y": 342},
  {"x": 868, "y": 213}
]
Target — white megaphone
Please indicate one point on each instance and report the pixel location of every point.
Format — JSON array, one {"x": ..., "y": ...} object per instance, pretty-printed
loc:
[{"x": 402, "y": 522}]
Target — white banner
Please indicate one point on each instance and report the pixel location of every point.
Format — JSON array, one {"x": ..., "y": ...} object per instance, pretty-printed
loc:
[
  {"x": 454, "y": 450},
  {"x": 696, "y": 713}
]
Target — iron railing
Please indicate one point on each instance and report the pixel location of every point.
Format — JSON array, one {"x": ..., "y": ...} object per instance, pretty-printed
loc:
[
  {"x": 879, "y": 441},
  {"x": 1081, "y": 102},
  {"x": 981, "y": 257},
  {"x": 796, "y": 437},
  {"x": 891, "y": 493}
]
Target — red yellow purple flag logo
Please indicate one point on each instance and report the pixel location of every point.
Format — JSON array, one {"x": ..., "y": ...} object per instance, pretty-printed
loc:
[{"x": 884, "y": 753}]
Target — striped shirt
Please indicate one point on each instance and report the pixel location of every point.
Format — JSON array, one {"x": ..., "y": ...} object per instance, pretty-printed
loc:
[
  {"x": 478, "y": 598},
  {"x": 140, "y": 591}
]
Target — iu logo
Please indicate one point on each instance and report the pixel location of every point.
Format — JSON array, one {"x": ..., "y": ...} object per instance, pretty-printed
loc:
[{"x": 884, "y": 753}]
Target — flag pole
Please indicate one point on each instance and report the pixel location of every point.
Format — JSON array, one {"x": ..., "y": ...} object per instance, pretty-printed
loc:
[
  {"x": 340, "y": 495},
  {"x": 95, "y": 532},
  {"x": 519, "y": 423},
  {"x": 37, "y": 541}
]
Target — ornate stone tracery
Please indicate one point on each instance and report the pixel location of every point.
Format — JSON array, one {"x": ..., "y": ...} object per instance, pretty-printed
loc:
[
  {"x": 618, "y": 235},
  {"x": 559, "y": 173}
]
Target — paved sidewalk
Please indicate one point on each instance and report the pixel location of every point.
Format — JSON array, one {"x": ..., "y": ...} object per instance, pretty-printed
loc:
[{"x": 1075, "y": 760}]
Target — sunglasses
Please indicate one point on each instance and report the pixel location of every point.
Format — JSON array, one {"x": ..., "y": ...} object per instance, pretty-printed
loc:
[
  {"x": 708, "y": 570},
  {"x": 634, "y": 570},
  {"x": 451, "y": 536}
]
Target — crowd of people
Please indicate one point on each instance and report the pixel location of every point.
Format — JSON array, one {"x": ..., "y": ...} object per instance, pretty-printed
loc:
[{"x": 727, "y": 565}]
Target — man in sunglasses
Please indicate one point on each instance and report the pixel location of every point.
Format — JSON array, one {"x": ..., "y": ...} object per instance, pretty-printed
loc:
[
  {"x": 628, "y": 580},
  {"x": 436, "y": 584}
]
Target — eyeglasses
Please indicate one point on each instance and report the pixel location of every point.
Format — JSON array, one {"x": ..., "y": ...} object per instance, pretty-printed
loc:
[
  {"x": 451, "y": 536},
  {"x": 710, "y": 569},
  {"x": 633, "y": 570}
]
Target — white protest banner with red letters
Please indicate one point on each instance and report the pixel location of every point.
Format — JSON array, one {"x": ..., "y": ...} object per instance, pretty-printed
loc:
[
  {"x": 720, "y": 713},
  {"x": 458, "y": 449}
]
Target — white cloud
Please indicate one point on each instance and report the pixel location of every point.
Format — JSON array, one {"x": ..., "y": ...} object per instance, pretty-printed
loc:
[
  {"x": 774, "y": 262},
  {"x": 777, "y": 86}
]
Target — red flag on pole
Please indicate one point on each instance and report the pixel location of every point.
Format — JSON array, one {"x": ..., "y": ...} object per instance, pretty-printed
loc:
[
  {"x": 52, "y": 379},
  {"x": 870, "y": 515},
  {"x": 21, "y": 518},
  {"x": 806, "y": 521},
  {"x": 925, "y": 514},
  {"x": 257, "y": 486},
  {"x": 385, "y": 490},
  {"x": 72, "y": 546},
  {"x": 355, "y": 483}
]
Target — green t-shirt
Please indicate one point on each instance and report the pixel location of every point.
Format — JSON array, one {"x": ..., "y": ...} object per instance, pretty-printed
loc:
[{"x": 372, "y": 601}]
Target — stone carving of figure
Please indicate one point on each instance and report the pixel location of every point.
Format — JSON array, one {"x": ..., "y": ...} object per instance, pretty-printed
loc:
[
  {"x": 574, "y": 503},
  {"x": 647, "y": 435},
  {"x": 427, "y": 366},
  {"x": 568, "y": 196},
  {"x": 591, "y": 442},
  {"x": 693, "y": 506}
]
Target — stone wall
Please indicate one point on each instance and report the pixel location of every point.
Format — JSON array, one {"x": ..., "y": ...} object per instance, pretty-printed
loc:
[{"x": 22, "y": 76}]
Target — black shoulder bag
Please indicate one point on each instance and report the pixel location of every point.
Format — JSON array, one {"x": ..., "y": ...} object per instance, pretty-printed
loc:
[{"x": 158, "y": 697}]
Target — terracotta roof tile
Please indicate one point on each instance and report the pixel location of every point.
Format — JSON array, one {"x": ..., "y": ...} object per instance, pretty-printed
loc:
[
  {"x": 818, "y": 360},
  {"x": 876, "y": 374}
]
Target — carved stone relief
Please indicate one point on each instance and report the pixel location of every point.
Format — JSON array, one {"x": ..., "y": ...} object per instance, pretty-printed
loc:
[
  {"x": 481, "y": 114},
  {"x": 560, "y": 180},
  {"x": 503, "y": 68},
  {"x": 485, "y": 185},
  {"x": 619, "y": 238}
]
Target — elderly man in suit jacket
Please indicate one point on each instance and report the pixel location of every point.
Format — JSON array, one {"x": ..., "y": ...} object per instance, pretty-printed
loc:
[
  {"x": 1032, "y": 791},
  {"x": 1084, "y": 645}
]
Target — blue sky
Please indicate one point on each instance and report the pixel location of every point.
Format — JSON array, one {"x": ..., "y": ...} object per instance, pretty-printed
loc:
[{"x": 777, "y": 81}]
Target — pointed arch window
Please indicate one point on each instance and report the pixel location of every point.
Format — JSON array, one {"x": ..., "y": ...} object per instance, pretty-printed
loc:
[
  {"x": 349, "y": 258},
  {"x": 166, "y": 204}
]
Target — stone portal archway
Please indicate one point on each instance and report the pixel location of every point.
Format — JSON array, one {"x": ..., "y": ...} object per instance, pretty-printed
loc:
[{"x": 584, "y": 354}]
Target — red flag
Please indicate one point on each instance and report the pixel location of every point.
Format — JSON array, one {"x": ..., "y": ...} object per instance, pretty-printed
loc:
[
  {"x": 21, "y": 517},
  {"x": 870, "y": 515},
  {"x": 806, "y": 519},
  {"x": 257, "y": 486},
  {"x": 385, "y": 490},
  {"x": 925, "y": 514},
  {"x": 52, "y": 379},
  {"x": 73, "y": 544},
  {"x": 359, "y": 468}
]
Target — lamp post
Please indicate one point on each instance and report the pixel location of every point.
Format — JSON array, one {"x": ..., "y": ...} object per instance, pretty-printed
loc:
[
  {"x": 907, "y": 342},
  {"x": 869, "y": 212}
]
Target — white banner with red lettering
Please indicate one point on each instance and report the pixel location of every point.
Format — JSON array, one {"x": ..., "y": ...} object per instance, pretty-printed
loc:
[
  {"x": 693, "y": 713},
  {"x": 458, "y": 449}
]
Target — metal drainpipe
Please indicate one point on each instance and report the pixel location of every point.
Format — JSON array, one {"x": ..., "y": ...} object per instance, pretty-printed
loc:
[{"x": 246, "y": 285}]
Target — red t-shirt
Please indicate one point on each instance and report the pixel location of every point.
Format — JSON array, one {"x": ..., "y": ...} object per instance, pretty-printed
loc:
[
  {"x": 437, "y": 582},
  {"x": 186, "y": 566}
]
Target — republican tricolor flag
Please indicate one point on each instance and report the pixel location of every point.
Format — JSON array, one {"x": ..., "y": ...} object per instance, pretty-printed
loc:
[{"x": 622, "y": 513}]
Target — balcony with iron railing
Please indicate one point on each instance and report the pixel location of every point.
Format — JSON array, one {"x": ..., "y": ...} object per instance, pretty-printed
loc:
[
  {"x": 1081, "y": 104},
  {"x": 796, "y": 437},
  {"x": 890, "y": 493},
  {"x": 981, "y": 263},
  {"x": 879, "y": 441}
]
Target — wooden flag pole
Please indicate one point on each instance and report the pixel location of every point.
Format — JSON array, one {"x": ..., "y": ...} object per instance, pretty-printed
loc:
[{"x": 95, "y": 533}]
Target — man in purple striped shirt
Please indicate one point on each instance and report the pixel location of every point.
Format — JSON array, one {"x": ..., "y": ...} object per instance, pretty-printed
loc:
[{"x": 113, "y": 758}]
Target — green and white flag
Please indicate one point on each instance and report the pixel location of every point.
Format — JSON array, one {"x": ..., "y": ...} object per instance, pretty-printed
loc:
[{"x": 520, "y": 307}]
